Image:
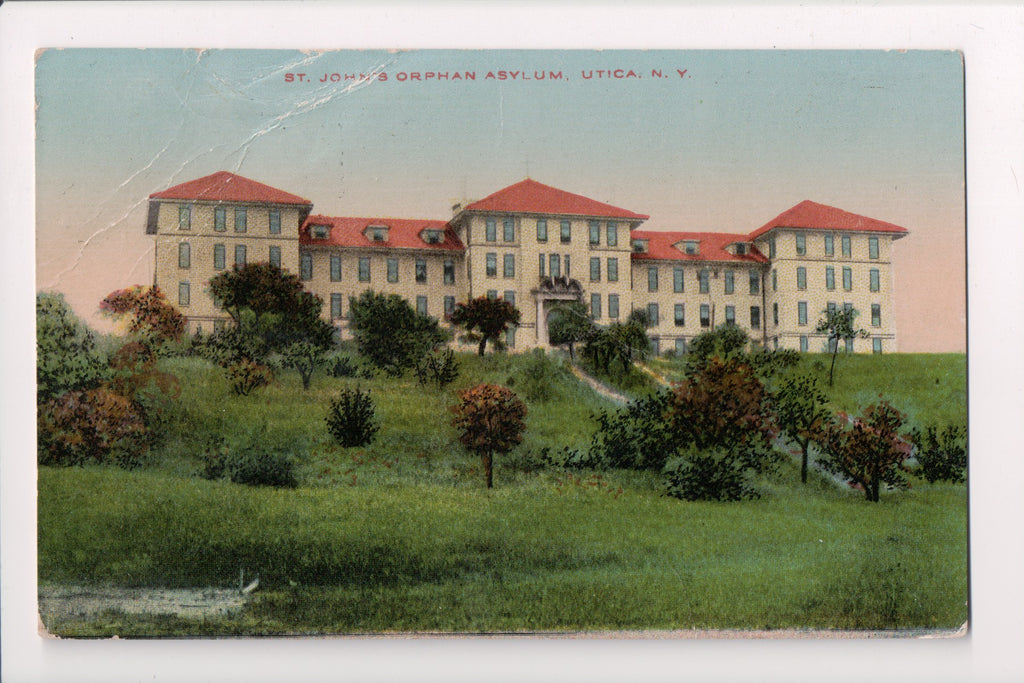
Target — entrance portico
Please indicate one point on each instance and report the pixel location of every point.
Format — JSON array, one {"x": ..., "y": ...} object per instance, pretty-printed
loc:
[{"x": 552, "y": 290}]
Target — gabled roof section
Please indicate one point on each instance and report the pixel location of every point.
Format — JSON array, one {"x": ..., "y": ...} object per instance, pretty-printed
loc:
[
  {"x": 661, "y": 246},
  {"x": 529, "y": 196},
  {"x": 810, "y": 215},
  {"x": 223, "y": 186},
  {"x": 403, "y": 233}
]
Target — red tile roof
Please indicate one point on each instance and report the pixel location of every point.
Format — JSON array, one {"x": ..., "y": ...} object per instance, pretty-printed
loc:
[
  {"x": 814, "y": 216},
  {"x": 403, "y": 233},
  {"x": 712, "y": 247},
  {"x": 529, "y": 196},
  {"x": 223, "y": 186}
]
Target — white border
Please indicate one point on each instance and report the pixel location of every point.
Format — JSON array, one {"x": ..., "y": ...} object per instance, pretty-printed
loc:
[{"x": 991, "y": 39}]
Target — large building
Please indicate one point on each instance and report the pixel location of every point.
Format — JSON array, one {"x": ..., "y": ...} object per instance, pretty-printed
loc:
[{"x": 535, "y": 246}]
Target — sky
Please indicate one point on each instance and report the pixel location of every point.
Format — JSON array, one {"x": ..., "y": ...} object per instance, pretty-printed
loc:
[{"x": 720, "y": 141}]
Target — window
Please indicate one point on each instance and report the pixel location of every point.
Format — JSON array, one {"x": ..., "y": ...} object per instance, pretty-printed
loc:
[
  {"x": 449, "y": 271},
  {"x": 775, "y": 314},
  {"x": 705, "y": 315},
  {"x": 771, "y": 248},
  {"x": 876, "y": 345},
  {"x": 421, "y": 271},
  {"x": 542, "y": 230},
  {"x": 541, "y": 267},
  {"x": 306, "y": 266},
  {"x": 378, "y": 233},
  {"x": 274, "y": 219},
  {"x": 730, "y": 315},
  {"x": 508, "y": 229},
  {"x": 830, "y": 245},
  {"x": 775, "y": 280},
  {"x": 702, "y": 281},
  {"x": 555, "y": 265},
  {"x": 510, "y": 337},
  {"x": 691, "y": 247},
  {"x": 595, "y": 233},
  {"x": 613, "y": 270},
  {"x": 652, "y": 279},
  {"x": 830, "y": 277},
  {"x": 847, "y": 279},
  {"x": 872, "y": 247},
  {"x": 801, "y": 245},
  {"x": 677, "y": 279},
  {"x": 492, "y": 264},
  {"x": 846, "y": 246},
  {"x": 639, "y": 246},
  {"x": 567, "y": 265},
  {"x": 680, "y": 345},
  {"x": 421, "y": 304},
  {"x": 490, "y": 230},
  {"x": 595, "y": 306},
  {"x": 847, "y": 307},
  {"x": 565, "y": 231},
  {"x": 335, "y": 305},
  {"x": 849, "y": 345},
  {"x": 801, "y": 313},
  {"x": 449, "y": 305},
  {"x": 655, "y": 346},
  {"x": 239, "y": 254},
  {"x": 680, "y": 315},
  {"x": 184, "y": 217},
  {"x": 730, "y": 282},
  {"x": 320, "y": 232},
  {"x": 613, "y": 306},
  {"x": 184, "y": 255},
  {"x": 392, "y": 270},
  {"x": 613, "y": 234},
  {"x": 876, "y": 315},
  {"x": 801, "y": 277},
  {"x": 492, "y": 294},
  {"x": 510, "y": 296},
  {"x": 364, "y": 268},
  {"x": 335, "y": 267},
  {"x": 741, "y": 249},
  {"x": 595, "y": 269},
  {"x": 830, "y": 308},
  {"x": 220, "y": 219},
  {"x": 509, "y": 265},
  {"x": 184, "y": 293},
  {"x": 755, "y": 317},
  {"x": 803, "y": 344},
  {"x": 873, "y": 274},
  {"x": 240, "y": 219},
  {"x": 275, "y": 256},
  {"x": 218, "y": 257},
  {"x": 755, "y": 282},
  {"x": 652, "y": 314}
]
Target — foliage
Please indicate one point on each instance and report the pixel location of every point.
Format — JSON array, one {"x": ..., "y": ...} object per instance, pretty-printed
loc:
[
  {"x": 250, "y": 460},
  {"x": 622, "y": 342},
  {"x": 341, "y": 365},
  {"x": 770, "y": 362},
  {"x": 489, "y": 419},
  {"x": 840, "y": 325},
  {"x": 636, "y": 436},
  {"x": 245, "y": 375},
  {"x": 151, "y": 319},
  {"x": 942, "y": 456},
  {"x": 95, "y": 425},
  {"x": 351, "y": 418},
  {"x": 568, "y": 325},
  {"x": 390, "y": 332},
  {"x": 66, "y": 355},
  {"x": 715, "y": 474},
  {"x": 439, "y": 367},
  {"x": 536, "y": 378},
  {"x": 725, "y": 341},
  {"x": 801, "y": 410},
  {"x": 305, "y": 357},
  {"x": 869, "y": 451},
  {"x": 485, "y": 320}
]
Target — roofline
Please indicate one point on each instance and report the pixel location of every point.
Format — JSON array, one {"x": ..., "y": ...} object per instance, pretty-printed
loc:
[
  {"x": 636, "y": 217},
  {"x": 644, "y": 256},
  {"x": 895, "y": 234},
  {"x": 426, "y": 250},
  {"x": 214, "y": 202}
]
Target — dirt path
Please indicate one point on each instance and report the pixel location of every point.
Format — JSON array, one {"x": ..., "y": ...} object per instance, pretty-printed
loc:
[
  {"x": 63, "y": 602},
  {"x": 602, "y": 389}
]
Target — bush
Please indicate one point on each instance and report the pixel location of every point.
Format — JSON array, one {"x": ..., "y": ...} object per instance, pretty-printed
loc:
[
  {"x": 341, "y": 365},
  {"x": 350, "y": 419},
  {"x": 869, "y": 451},
  {"x": 390, "y": 332},
  {"x": 536, "y": 376},
  {"x": 709, "y": 475},
  {"x": 941, "y": 456},
  {"x": 247, "y": 375},
  {"x": 97, "y": 425},
  {"x": 439, "y": 367},
  {"x": 67, "y": 358},
  {"x": 259, "y": 465},
  {"x": 636, "y": 436}
]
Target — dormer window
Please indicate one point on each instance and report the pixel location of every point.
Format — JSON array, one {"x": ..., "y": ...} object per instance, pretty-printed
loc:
[
  {"x": 432, "y": 236},
  {"x": 319, "y": 232},
  {"x": 377, "y": 233},
  {"x": 741, "y": 248},
  {"x": 639, "y": 246},
  {"x": 691, "y": 247}
]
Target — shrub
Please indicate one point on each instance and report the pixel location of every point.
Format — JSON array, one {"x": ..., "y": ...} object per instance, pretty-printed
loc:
[
  {"x": 246, "y": 375},
  {"x": 941, "y": 456},
  {"x": 350, "y": 419},
  {"x": 537, "y": 375},
  {"x": 489, "y": 419},
  {"x": 67, "y": 358},
  {"x": 439, "y": 367},
  {"x": 636, "y": 436},
  {"x": 341, "y": 365},
  {"x": 716, "y": 474},
  {"x": 390, "y": 332},
  {"x": 724, "y": 342},
  {"x": 260, "y": 465},
  {"x": 97, "y": 425}
]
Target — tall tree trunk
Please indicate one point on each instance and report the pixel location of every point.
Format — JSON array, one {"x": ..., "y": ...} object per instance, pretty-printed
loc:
[
  {"x": 488, "y": 470},
  {"x": 832, "y": 367},
  {"x": 483, "y": 345},
  {"x": 803, "y": 462}
]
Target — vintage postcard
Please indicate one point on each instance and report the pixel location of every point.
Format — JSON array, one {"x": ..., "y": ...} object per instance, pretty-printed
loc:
[{"x": 501, "y": 341}]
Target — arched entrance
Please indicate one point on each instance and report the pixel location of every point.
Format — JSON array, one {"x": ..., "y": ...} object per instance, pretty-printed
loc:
[{"x": 552, "y": 290}]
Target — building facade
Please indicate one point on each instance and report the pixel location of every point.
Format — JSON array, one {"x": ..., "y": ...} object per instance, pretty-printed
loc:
[{"x": 536, "y": 246}]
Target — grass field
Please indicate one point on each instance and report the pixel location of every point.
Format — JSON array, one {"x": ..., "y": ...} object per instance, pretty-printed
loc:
[{"x": 402, "y": 536}]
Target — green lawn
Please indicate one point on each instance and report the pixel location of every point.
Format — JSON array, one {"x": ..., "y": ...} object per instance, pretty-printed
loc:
[{"x": 402, "y": 535}]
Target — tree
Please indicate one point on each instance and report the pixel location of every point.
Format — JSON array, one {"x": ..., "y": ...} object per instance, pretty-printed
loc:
[
  {"x": 801, "y": 411},
  {"x": 390, "y": 332},
  {"x": 66, "y": 355},
  {"x": 840, "y": 325},
  {"x": 489, "y": 419},
  {"x": 725, "y": 341},
  {"x": 869, "y": 450},
  {"x": 152, "y": 320},
  {"x": 569, "y": 325},
  {"x": 485, "y": 319},
  {"x": 305, "y": 357}
]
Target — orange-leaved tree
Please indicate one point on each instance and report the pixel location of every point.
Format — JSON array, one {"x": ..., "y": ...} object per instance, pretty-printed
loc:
[{"x": 490, "y": 420}]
